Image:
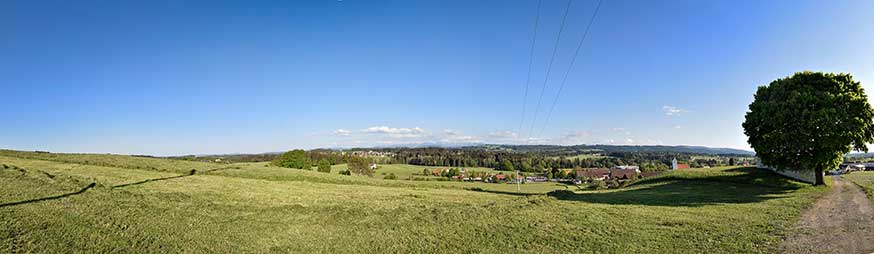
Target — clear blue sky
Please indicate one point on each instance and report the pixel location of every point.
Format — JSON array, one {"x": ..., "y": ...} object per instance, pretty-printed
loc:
[{"x": 198, "y": 77}]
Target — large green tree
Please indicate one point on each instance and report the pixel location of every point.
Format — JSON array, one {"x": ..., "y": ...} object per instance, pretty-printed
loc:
[
  {"x": 507, "y": 165},
  {"x": 360, "y": 166},
  {"x": 808, "y": 121},
  {"x": 293, "y": 159}
]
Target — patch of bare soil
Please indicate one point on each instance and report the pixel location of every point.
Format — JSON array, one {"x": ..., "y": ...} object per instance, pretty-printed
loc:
[{"x": 840, "y": 222}]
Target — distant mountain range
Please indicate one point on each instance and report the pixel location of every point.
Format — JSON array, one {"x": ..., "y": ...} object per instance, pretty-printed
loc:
[
  {"x": 675, "y": 149},
  {"x": 582, "y": 148},
  {"x": 575, "y": 149},
  {"x": 859, "y": 155}
]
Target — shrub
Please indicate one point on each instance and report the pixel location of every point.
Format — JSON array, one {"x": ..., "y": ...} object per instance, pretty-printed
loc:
[
  {"x": 626, "y": 183},
  {"x": 391, "y": 176},
  {"x": 360, "y": 166},
  {"x": 293, "y": 159},
  {"x": 597, "y": 184},
  {"x": 346, "y": 172},
  {"x": 324, "y": 166},
  {"x": 613, "y": 183}
]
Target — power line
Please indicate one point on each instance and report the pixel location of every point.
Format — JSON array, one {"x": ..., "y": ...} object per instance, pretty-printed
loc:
[
  {"x": 549, "y": 68},
  {"x": 570, "y": 66},
  {"x": 530, "y": 63}
]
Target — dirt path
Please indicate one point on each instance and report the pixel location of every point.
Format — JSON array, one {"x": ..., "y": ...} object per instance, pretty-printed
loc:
[{"x": 840, "y": 222}]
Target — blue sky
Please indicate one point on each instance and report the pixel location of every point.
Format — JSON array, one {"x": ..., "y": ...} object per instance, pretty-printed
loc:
[{"x": 199, "y": 77}]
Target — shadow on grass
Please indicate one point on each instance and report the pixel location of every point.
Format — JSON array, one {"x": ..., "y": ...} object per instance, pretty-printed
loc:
[
  {"x": 155, "y": 179},
  {"x": 739, "y": 186},
  {"x": 191, "y": 173},
  {"x": 751, "y": 186},
  {"x": 92, "y": 185},
  {"x": 514, "y": 193},
  {"x": 504, "y": 192},
  {"x": 50, "y": 198}
]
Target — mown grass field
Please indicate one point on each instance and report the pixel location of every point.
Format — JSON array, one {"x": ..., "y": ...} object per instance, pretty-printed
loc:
[
  {"x": 404, "y": 171},
  {"x": 263, "y": 170},
  {"x": 48, "y": 204},
  {"x": 864, "y": 179}
]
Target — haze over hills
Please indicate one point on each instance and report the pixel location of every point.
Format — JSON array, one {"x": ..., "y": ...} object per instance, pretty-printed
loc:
[
  {"x": 577, "y": 149},
  {"x": 583, "y": 148}
]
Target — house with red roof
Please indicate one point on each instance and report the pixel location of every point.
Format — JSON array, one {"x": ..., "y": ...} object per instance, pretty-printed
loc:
[
  {"x": 500, "y": 177},
  {"x": 592, "y": 173},
  {"x": 675, "y": 165},
  {"x": 623, "y": 174}
]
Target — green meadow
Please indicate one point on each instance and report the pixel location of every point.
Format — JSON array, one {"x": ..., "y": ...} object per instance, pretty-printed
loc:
[
  {"x": 63, "y": 203},
  {"x": 404, "y": 171},
  {"x": 864, "y": 179}
]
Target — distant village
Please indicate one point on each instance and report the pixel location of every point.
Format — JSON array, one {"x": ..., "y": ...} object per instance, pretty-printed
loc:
[
  {"x": 846, "y": 168},
  {"x": 369, "y": 154},
  {"x": 570, "y": 176},
  {"x": 575, "y": 176}
]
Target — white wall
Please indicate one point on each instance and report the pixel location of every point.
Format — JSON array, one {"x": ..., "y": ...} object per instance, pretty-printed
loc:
[{"x": 807, "y": 176}]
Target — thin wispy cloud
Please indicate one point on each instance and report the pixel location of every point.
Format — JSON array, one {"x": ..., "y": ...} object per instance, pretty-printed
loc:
[
  {"x": 386, "y": 135},
  {"x": 396, "y": 132},
  {"x": 673, "y": 111},
  {"x": 451, "y": 132},
  {"x": 342, "y": 133},
  {"x": 455, "y": 136},
  {"x": 622, "y": 130},
  {"x": 503, "y": 135}
]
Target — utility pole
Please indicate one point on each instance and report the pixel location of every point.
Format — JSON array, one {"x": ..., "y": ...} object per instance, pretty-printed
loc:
[{"x": 518, "y": 183}]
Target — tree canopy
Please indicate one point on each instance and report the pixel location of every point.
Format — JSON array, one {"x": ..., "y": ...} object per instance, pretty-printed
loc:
[
  {"x": 360, "y": 166},
  {"x": 808, "y": 121},
  {"x": 293, "y": 159},
  {"x": 324, "y": 166}
]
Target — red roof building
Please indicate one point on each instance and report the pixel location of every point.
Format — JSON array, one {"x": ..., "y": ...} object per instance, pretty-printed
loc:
[
  {"x": 623, "y": 174},
  {"x": 592, "y": 173},
  {"x": 677, "y": 165}
]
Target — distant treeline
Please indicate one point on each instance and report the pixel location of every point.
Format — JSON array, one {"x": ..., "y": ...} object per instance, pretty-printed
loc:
[
  {"x": 232, "y": 158},
  {"x": 578, "y": 149},
  {"x": 316, "y": 155},
  {"x": 536, "y": 160},
  {"x": 533, "y": 158}
]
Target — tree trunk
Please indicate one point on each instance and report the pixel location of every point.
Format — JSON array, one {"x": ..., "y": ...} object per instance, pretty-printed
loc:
[{"x": 819, "y": 180}]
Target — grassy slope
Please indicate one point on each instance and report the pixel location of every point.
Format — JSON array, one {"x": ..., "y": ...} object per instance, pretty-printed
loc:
[
  {"x": 404, "y": 171},
  {"x": 863, "y": 179},
  {"x": 253, "y": 208},
  {"x": 265, "y": 171},
  {"x": 118, "y": 161}
]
